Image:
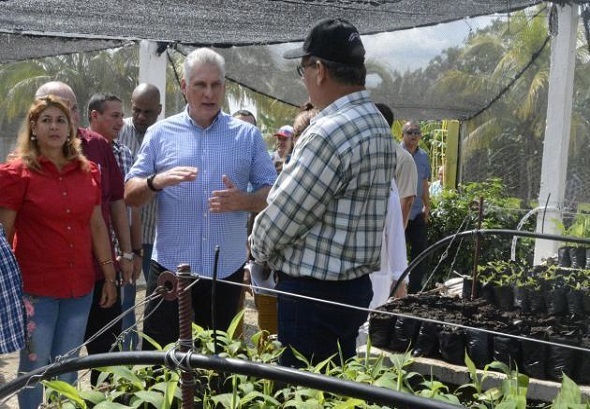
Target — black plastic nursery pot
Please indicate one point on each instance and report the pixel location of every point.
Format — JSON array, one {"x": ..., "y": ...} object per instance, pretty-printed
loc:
[
  {"x": 427, "y": 340},
  {"x": 578, "y": 257},
  {"x": 506, "y": 350},
  {"x": 563, "y": 256},
  {"x": 478, "y": 347},
  {"x": 575, "y": 306},
  {"x": 534, "y": 357},
  {"x": 504, "y": 297},
  {"x": 479, "y": 334},
  {"x": 583, "y": 362},
  {"x": 404, "y": 334},
  {"x": 536, "y": 301},
  {"x": 467, "y": 289},
  {"x": 522, "y": 300},
  {"x": 555, "y": 300},
  {"x": 452, "y": 345},
  {"x": 561, "y": 360},
  {"x": 381, "y": 328}
]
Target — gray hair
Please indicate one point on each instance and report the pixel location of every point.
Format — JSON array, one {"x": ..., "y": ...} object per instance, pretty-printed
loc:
[{"x": 203, "y": 56}]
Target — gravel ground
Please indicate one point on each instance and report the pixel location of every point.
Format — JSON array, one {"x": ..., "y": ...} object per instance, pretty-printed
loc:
[{"x": 9, "y": 363}]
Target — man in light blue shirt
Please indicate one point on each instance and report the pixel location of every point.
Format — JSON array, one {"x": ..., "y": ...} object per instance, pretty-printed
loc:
[
  {"x": 416, "y": 234},
  {"x": 198, "y": 164}
]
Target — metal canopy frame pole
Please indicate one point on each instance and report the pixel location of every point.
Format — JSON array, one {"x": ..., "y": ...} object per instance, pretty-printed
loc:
[{"x": 558, "y": 127}]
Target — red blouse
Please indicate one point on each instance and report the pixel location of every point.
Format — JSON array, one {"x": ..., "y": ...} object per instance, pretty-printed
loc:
[{"x": 53, "y": 241}]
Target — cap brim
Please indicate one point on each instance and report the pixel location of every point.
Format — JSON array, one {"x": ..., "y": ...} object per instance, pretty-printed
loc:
[{"x": 297, "y": 53}]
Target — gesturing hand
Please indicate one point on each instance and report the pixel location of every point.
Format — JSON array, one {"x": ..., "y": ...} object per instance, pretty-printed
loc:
[
  {"x": 227, "y": 200},
  {"x": 175, "y": 176}
]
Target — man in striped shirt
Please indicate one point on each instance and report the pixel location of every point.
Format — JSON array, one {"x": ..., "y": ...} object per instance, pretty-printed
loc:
[
  {"x": 324, "y": 221},
  {"x": 145, "y": 109}
]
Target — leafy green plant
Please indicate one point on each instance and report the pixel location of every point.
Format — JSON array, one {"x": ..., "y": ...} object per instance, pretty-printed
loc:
[
  {"x": 501, "y": 273},
  {"x": 150, "y": 387},
  {"x": 579, "y": 226},
  {"x": 458, "y": 210},
  {"x": 510, "y": 394},
  {"x": 569, "y": 396}
]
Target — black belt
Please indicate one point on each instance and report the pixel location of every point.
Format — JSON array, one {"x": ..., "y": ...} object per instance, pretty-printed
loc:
[{"x": 283, "y": 276}]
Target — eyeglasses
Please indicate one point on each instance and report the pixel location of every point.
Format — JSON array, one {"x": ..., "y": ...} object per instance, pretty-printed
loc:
[
  {"x": 413, "y": 132},
  {"x": 301, "y": 67}
]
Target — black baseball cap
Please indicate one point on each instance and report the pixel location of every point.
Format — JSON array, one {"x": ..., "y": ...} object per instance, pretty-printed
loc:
[{"x": 334, "y": 40}]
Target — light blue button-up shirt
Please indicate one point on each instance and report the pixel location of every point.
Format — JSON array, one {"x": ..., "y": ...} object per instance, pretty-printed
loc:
[{"x": 186, "y": 232}]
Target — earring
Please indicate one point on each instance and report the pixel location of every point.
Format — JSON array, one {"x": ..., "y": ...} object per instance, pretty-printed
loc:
[
  {"x": 68, "y": 139},
  {"x": 34, "y": 137}
]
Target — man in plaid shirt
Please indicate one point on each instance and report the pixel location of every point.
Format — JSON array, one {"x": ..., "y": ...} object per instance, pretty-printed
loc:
[
  {"x": 12, "y": 331},
  {"x": 324, "y": 221}
]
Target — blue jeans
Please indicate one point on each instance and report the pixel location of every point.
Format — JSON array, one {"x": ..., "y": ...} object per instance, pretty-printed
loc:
[
  {"x": 315, "y": 329},
  {"x": 128, "y": 301},
  {"x": 55, "y": 326}
]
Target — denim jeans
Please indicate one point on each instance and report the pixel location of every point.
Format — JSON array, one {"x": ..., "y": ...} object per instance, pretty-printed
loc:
[
  {"x": 55, "y": 327},
  {"x": 128, "y": 301},
  {"x": 316, "y": 329}
]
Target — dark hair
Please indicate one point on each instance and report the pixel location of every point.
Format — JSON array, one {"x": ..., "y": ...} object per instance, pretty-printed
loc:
[
  {"x": 345, "y": 74},
  {"x": 386, "y": 112},
  {"x": 244, "y": 112},
  {"x": 97, "y": 101},
  {"x": 307, "y": 106}
]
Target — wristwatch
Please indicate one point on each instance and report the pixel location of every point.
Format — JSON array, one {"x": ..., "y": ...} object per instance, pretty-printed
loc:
[
  {"x": 127, "y": 256},
  {"x": 150, "y": 183},
  {"x": 138, "y": 252}
]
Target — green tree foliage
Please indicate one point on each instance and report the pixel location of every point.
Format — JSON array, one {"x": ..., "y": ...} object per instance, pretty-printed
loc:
[{"x": 458, "y": 210}]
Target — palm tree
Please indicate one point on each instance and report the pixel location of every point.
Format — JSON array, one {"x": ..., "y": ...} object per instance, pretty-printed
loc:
[
  {"x": 110, "y": 71},
  {"x": 509, "y": 63}
]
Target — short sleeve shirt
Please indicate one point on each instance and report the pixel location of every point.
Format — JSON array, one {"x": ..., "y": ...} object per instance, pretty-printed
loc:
[
  {"x": 186, "y": 231},
  {"x": 52, "y": 243},
  {"x": 406, "y": 174}
]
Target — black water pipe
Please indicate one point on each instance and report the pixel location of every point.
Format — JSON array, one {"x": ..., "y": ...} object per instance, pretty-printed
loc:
[{"x": 291, "y": 376}]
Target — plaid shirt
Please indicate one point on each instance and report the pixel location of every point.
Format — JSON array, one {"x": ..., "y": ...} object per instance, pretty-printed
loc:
[
  {"x": 326, "y": 211},
  {"x": 132, "y": 138},
  {"x": 124, "y": 159},
  {"x": 12, "y": 321}
]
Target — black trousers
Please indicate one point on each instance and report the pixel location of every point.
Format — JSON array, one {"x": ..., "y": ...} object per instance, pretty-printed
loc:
[
  {"x": 417, "y": 239},
  {"x": 161, "y": 322},
  {"x": 97, "y": 319}
]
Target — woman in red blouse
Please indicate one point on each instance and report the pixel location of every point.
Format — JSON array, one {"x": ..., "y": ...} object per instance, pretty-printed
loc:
[{"x": 50, "y": 208}]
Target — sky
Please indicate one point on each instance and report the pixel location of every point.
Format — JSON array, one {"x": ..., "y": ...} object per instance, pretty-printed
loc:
[
  {"x": 415, "y": 47},
  {"x": 412, "y": 48}
]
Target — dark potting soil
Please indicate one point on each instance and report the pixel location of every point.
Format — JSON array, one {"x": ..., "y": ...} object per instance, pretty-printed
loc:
[{"x": 450, "y": 343}]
